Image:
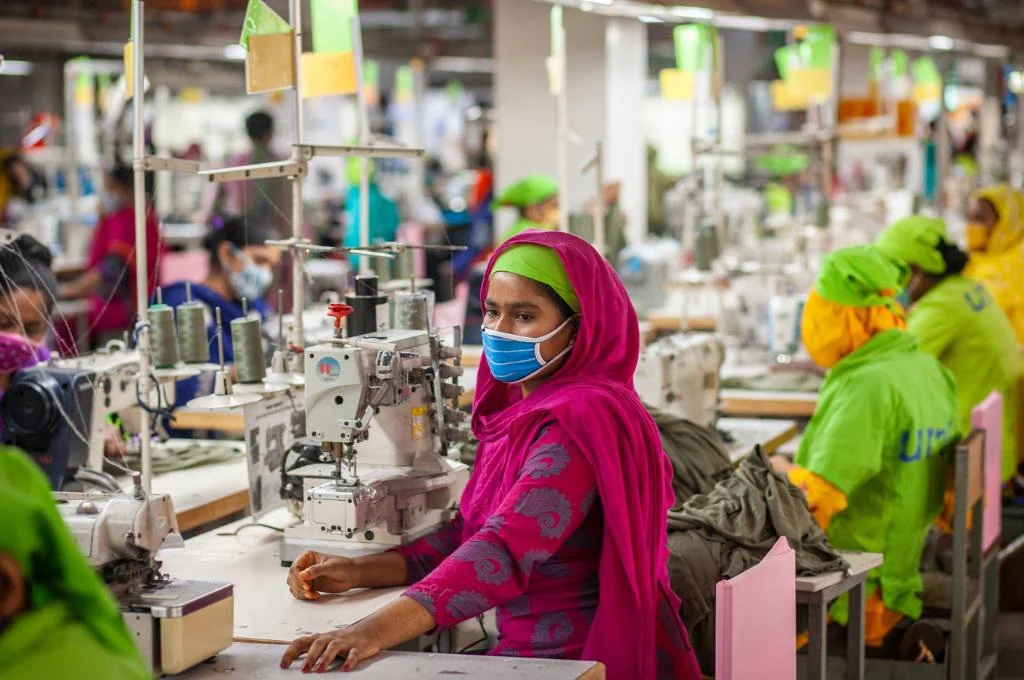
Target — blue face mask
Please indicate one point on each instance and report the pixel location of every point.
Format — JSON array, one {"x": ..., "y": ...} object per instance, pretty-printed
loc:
[
  {"x": 514, "y": 359},
  {"x": 904, "y": 298}
]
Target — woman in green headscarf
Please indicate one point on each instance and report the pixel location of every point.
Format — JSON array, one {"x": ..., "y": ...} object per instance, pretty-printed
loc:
[
  {"x": 56, "y": 618},
  {"x": 536, "y": 198},
  {"x": 871, "y": 460},
  {"x": 955, "y": 319}
]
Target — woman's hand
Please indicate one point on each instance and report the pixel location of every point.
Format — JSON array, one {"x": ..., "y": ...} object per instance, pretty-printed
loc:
[
  {"x": 397, "y": 623},
  {"x": 314, "y": 573},
  {"x": 322, "y": 650}
]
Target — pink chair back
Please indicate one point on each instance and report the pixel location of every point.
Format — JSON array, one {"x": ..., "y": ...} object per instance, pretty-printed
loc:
[
  {"x": 755, "y": 624},
  {"x": 191, "y": 265},
  {"x": 453, "y": 312},
  {"x": 988, "y": 416}
]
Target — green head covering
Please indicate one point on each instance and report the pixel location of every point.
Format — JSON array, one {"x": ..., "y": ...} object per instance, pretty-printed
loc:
[
  {"x": 52, "y": 563},
  {"x": 914, "y": 241},
  {"x": 540, "y": 264},
  {"x": 784, "y": 160},
  {"x": 860, "y": 276},
  {"x": 528, "y": 191},
  {"x": 352, "y": 170}
]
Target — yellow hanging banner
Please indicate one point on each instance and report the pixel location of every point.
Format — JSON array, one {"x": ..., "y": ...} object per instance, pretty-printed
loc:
[
  {"x": 326, "y": 73},
  {"x": 129, "y": 69},
  {"x": 270, "y": 63},
  {"x": 813, "y": 83},
  {"x": 676, "y": 85},
  {"x": 784, "y": 98}
]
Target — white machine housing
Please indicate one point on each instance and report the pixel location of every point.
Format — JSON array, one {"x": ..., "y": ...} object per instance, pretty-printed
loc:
[
  {"x": 176, "y": 624},
  {"x": 785, "y": 313},
  {"x": 406, "y": 484},
  {"x": 680, "y": 374}
]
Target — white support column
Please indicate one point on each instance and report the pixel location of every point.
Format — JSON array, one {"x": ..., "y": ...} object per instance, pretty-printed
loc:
[
  {"x": 606, "y": 85},
  {"x": 626, "y": 144}
]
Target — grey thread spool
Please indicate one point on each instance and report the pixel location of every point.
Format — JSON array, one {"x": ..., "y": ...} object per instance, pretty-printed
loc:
[
  {"x": 405, "y": 264},
  {"x": 411, "y": 310},
  {"x": 249, "y": 363},
  {"x": 165, "y": 340},
  {"x": 195, "y": 348},
  {"x": 192, "y": 341}
]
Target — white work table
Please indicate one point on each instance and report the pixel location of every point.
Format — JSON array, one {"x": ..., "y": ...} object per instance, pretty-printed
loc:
[
  {"x": 768, "y": 404},
  {"x": 262, "y": 662},
  {"x": 206, "y": 494},
  {"x": 748, "y": 432},
  {"x": 265, "y": 610}
]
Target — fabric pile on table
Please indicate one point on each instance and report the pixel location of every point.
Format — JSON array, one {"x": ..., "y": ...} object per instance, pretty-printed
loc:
[{"x": 720, "y": 534}]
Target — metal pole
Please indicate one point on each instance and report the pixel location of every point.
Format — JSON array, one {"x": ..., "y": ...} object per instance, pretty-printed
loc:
[
  {"x": 562, "y": 117},
  {"x": 298, "y": 290},
  {"x": 719, "y": 159},
  {"x": 600, "y": 209},
  {"x": 363, "y": 119},
  {"x": 141, "y": 261},
  {"x": 74, "y": 190}
]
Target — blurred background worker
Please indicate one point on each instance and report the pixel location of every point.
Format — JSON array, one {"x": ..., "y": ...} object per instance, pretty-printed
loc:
[
  {"x": 536, "y": 199},
  {"x": 109, "y": 280},
  {"x": 241, "y": 266},
  {"x": 18, "y": 182},
  {"x": 265, "y": 202},
  {"x": 383, "y": 216},
  {"x": 57, "y": 619},
  {"x": 955, "y": 320},
  {"x": 995, "y": 241},
  {"x": 873, "y": 458}
]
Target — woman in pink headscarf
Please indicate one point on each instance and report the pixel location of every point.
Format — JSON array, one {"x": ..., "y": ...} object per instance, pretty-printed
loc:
[{"x": 562, "y": 527}]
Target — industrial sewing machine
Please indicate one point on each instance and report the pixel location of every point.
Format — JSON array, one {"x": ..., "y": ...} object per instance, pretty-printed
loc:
[
  {"x": 176, "y": 624},
  {"x": 379, "y": 399},
  {"x": 646, "y": 269},
  {"x": 48, "y": 408},
  {"x": 680, "y": 375},
  {"x": 785, "y": 312}
]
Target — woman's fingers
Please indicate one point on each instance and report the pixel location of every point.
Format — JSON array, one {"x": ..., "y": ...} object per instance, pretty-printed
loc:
[
  {"x": 356, "y": 655},
  {"x": 295, "y": 649},
  {"x": 333, "y": 650},
  {"x": 315, "y": 650}
]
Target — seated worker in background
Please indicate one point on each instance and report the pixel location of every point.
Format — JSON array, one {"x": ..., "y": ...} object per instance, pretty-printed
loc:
[
  {"x": 241, "y": 266},
  {"x": 18, "y": 180},
  {"x": 567, "y": 502},
  {"x": 109, "y": 280},
  {"x": 955, "y": 320},
  {"x": 262, "y": 201},
  {"x": 873, "y": 458},
  {"x": 536, "y": 198},
  {"x": 995, "y": 241},
  {"x": 57, "y": 619},
  {"x": 27, "y": 287},
  {"x": 383, "y": 220}
]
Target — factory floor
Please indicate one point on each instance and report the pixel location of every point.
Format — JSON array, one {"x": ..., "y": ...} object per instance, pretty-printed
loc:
[{"x": 1011, "y": 647}]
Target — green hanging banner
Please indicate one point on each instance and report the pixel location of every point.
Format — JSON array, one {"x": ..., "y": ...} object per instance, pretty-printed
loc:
[
  {"x": 876, "y": 63},
  {"x": 331, "y": 23},
  {"x": 695, "y": 46},
  {"x": 260, "y": 19},
  {"x": 900, "y": 62}
]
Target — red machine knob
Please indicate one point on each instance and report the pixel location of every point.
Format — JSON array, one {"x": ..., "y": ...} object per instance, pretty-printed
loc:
[{"x": 338, "y": 311}]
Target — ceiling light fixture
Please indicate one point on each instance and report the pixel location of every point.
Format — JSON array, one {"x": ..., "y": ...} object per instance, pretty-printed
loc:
[
  {"x": 940, "y": 42},
  {"x": 234, "y": 52},
  {"x": 10, "y": 67}
]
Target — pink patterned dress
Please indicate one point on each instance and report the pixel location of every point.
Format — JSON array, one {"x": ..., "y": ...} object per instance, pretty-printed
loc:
[{"x": 536, "y": 560}]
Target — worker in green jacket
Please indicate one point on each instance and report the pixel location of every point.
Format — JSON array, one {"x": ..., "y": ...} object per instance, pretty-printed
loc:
[
  {"x": 57, "y": 619},
  {"x": 956, "y": 320},
  {"x": 536, "y": 199},
  {"x": 873, "y": 458}
]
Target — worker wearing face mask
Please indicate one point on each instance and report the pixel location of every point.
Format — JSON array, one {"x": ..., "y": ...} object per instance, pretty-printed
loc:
[
  {"x": 536, "y": 198},
  {"x": 873, "y": 459},
  {"x": 241, "y": 267},
  {"x": 955, "y": 320},
  {"x": 995, "y": 241},
  {"x": 109, "y": 279}
]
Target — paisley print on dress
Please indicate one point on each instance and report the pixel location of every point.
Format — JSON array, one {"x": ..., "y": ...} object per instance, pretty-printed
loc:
[
  {"x": 549, "y": 460},
  {"x": 492, "y": 563},
  {"x": 467, "y": 604},
  {"x": 550, "y": 507}
]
